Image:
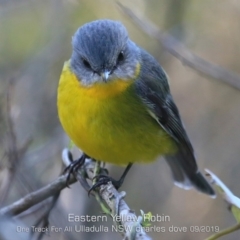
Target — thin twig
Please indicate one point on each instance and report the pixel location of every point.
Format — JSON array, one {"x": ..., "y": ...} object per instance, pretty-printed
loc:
[
  {"x": 113, "y": 199},
  {"x": 232, "y": 200},
  {"x": 43, "y": 221},
  {"x": 180, "y": 51},
  {"x": 224, "y": 232},
  {"x": 12, "y": 152},
  {"x": 36, "y": 197}
]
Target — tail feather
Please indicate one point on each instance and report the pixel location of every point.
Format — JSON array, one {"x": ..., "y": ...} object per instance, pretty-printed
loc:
[{"x": 185, "y": 176}]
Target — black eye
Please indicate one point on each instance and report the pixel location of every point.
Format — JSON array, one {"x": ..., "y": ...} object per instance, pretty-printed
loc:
[
  {"x": 120, "y": 57},
  {"x": 86, "y": 64}
]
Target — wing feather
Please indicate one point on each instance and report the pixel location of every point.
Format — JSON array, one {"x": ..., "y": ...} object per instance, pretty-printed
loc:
[{"x": 153, "y": 89}]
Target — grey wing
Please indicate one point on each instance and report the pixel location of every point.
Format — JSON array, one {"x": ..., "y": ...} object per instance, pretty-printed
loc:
[{"x": 152, "y": 87}]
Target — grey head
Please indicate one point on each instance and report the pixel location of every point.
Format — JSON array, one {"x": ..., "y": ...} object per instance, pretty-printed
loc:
[{"x": 102, "y": 52}]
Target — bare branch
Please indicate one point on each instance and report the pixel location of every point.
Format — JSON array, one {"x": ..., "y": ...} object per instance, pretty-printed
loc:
[
  {"x": 119, "y": 210},
  {"x": 179, "y": 51},
  {"x": 114, "y": 200},
  {"x": 36, "y": 197},
  {"x": 233, "y": 204},
  {"x": 13, "y": 153},
  {"x": 224, "y": 232}
]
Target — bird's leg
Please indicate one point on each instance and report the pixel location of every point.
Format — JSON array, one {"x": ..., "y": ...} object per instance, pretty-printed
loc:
[
  {"x": 75, "y": 165},
  {"x": 104, "y": 179}
]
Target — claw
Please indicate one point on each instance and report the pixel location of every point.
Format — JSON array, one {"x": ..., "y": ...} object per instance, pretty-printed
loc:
[
  {"x": 74, "y": 166},
  {"x": 104, "y": 179}
]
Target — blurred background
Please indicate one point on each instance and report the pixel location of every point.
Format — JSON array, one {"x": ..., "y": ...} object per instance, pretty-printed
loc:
[{"x": 35, "y": 40}]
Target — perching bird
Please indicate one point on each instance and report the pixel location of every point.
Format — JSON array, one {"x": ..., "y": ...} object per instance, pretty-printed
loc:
[{"x": 114, "y": 102}]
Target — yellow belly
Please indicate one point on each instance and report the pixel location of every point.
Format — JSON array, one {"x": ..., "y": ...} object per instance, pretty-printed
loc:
[{"x": 109, "y": 122}]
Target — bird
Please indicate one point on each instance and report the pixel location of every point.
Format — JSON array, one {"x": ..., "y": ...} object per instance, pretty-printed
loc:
[{"x": 115, "y": 104}]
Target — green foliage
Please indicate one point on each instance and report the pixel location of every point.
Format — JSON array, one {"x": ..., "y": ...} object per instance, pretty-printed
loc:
[
  {"x": 236, "y": 212},
  {"x": 146, "y": 222}
]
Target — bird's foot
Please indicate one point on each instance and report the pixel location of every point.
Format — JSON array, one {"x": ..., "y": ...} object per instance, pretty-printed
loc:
[
  {"x": 104, "y": 179},
  {"x": 74, "y": 166}
]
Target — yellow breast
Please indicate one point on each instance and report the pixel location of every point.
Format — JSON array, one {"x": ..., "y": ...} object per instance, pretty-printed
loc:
[{"x": 108, "y": 121}]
